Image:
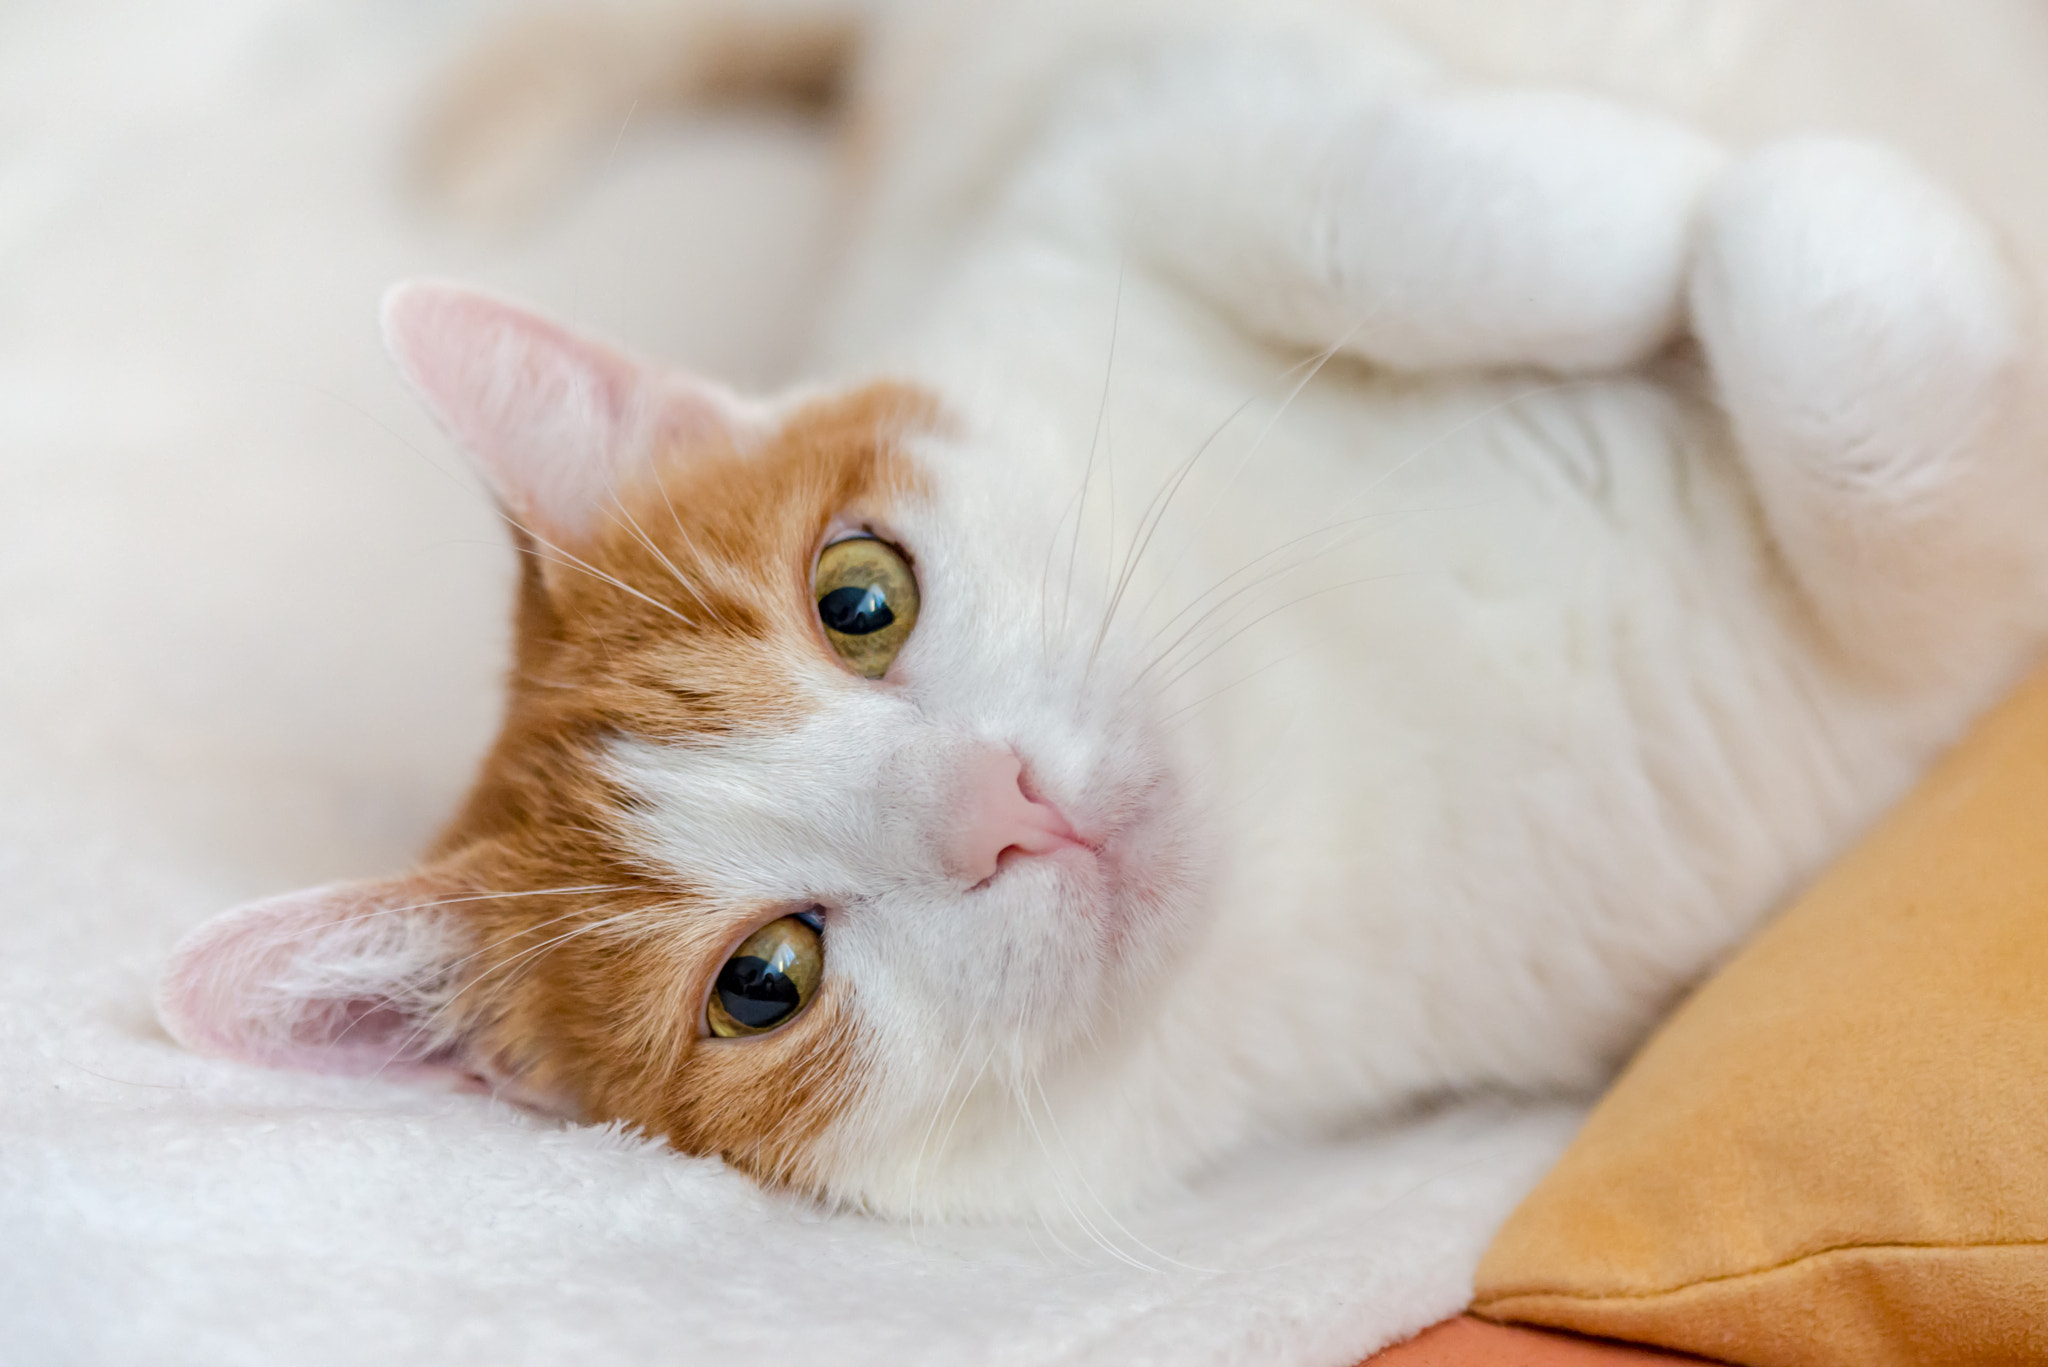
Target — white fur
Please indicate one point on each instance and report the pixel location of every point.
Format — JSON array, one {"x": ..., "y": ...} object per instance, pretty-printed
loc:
[
  {"x": 1448, "y": 670},
  {"x": 1454, "y": 721}
]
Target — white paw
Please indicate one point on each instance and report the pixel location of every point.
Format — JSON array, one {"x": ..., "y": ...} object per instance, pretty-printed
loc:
[
  {"x": 1516, "y": 228},
  {"x": 1858, "y": 318}
]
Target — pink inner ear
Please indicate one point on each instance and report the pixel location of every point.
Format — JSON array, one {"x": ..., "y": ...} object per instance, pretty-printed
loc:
[
  {"x": 348, "y": 978},
  {"x": 555, "y": 420}
]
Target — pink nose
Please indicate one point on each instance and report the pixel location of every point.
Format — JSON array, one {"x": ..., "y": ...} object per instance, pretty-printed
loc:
[{"x": 997, "y": 816}]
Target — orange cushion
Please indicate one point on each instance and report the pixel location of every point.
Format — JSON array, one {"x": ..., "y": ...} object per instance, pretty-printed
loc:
[
  {"x": 1466, "y": 1342},
  {"x": 1837, "y": 1151}
]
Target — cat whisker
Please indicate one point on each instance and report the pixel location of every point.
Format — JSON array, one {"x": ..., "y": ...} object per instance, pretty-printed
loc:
[
  {"x": 1088, "y": 1187},
  {"x": 1214, "y": 694},
  {"x": 966, "y": 1096},
  {"x": 945, "y": 1095},
  {"x": 639, "y": 533},
  {"x": 442, "y": 970},
  {"x": 490, "y": 897},
  {"x": 515, "y": 935},
  {"x": 1052, "y": 546},
  {"x": 1045, "y": 1221},
  {"x": 1088, "y": 470},
  {"x": 1154, "y": 512},
  {"x": 1292, "y": 602},
  {"x": 1189, "y": 637},
  {"x": 1058, "y": 1171},
  {"x": 1314, "y": 366},
  {"x": 1426, "y": 448},
  {"x": 571, "y": 562},
  {"x": 1316, "y": 363},
  {"x": 1260, "y": 581},
  {"x": 1142, "y": 531},
  {"x": 1436, "y": 443},
  {"x": 682, "y": 531},
  {"x": 525, "y": 955}
]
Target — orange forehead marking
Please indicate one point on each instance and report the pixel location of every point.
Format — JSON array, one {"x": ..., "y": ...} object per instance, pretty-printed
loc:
[{"x": 594, "y": 997}]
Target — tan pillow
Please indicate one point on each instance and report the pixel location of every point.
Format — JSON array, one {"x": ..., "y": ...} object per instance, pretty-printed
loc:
[{"x": 1837, "y": 1151}]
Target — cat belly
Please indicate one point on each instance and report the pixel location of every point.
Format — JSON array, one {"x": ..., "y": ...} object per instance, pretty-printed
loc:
[
  {"x": 1502, "y": 722},
  {"x": 1498, "y": 708},
  {"x": 1521, "y": 762}
]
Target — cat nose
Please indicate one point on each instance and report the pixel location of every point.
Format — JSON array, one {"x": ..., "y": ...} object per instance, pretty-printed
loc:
[{"x": 998, "y": 816}]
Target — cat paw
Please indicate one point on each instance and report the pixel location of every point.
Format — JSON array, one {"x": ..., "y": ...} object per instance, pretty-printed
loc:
[
  {"x": 1503, "y": 228},
  {"x": 1857, "y": 317}
]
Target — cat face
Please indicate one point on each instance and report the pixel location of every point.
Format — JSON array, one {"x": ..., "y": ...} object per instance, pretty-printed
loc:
[{"x": 819, "y": 818}]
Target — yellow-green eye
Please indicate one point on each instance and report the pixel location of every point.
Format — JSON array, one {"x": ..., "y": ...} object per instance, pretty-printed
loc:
[
  {"x": 867, "y": 600},
  {"x": 768, "y": 979}
]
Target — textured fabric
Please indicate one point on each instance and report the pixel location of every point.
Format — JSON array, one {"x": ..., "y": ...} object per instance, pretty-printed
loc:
[{"x": 1837, "y": 1152}]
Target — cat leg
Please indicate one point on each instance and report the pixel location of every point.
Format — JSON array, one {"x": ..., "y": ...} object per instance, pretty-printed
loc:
[
  {"x": 1422, "y": 231},
  {"x": 1866, "y": 340}
]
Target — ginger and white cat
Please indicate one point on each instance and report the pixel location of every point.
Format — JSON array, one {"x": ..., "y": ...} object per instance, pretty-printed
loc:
[{"x": 1313, "y": 584}]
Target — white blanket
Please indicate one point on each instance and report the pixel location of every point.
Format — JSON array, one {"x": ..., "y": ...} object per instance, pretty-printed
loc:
[{"x": 251, "y": 614}]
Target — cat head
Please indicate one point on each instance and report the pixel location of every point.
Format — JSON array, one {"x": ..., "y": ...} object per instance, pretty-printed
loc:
[{"x": 818, "y": 830}]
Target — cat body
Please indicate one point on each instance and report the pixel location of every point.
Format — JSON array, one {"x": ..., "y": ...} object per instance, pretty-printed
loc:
[{"x": 1408, "y": 572}]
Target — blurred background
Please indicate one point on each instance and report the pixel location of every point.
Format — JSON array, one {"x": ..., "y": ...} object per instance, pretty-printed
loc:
[{"x": 252, "y": 606}]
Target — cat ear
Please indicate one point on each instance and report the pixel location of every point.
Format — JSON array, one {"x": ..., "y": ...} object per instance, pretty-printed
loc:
[
  {"x": 348, "y": 978},
  {"x": 557, "y": 421}
]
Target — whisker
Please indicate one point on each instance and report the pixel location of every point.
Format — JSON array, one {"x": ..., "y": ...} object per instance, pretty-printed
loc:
[
  {"x": 1055, "y": 1169},
  {"x": 525, "y": 955},
  {"x": 1154, "y": 513},
  {"x": 434, "y": 971},
  {"x": 1052, "y": 546},
  {"x": 1523, "y": 396},
  {"x": 1210, "y": 697},
  {"x": 1314, "y": 365},
  {"x": 634, "y": 528},
  {"x": 1260, "y": 581},
  {"x": 570, "y": 562},
  {"x": 1425, "y": 448},
  {"x": 489, "y": 897},
  {"x": 684, "y": 533},
  {"x": 1108, "y": 1214},
  {"x": 1292, "y": 602},
  {"x": 946, "y": 1095},
  {"x": 1088, "y": 470},
  {"x": 1142, "y": 533}
]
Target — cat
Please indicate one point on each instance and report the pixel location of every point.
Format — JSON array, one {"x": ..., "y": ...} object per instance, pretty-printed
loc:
[{"x": 1302, "y": 585}]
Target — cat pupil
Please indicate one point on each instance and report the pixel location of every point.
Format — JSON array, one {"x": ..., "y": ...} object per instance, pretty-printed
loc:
[
  {"x": 856, "y": 611},
  {"x": 755, "y": 992}
]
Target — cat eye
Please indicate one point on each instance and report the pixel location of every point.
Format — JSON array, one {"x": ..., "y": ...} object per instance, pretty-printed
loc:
[
  {"x": 769, "y": 978},
  {"x": 867, "y": 602}
]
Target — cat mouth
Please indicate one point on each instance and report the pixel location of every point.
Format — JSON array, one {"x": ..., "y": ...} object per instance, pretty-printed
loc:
[
  {"x": 1051, "y": 846},
  {"x": 1062, "y": 847}
]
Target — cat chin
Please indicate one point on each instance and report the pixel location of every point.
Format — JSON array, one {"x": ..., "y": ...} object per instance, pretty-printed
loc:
[
  {"x": 1036, "y": 1146},
  {"x": 1059, "y": 1123}
]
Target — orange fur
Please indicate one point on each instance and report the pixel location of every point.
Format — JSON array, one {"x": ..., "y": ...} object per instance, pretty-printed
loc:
[{"x": 606, "y": 1021}]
